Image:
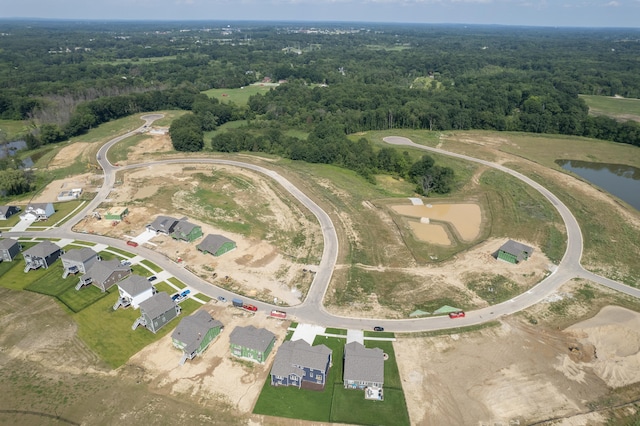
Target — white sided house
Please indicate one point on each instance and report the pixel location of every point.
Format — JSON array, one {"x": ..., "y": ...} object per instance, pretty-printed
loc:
[
  {"x": 134, "y": 290},
  {"x": 38, "y": 211}
]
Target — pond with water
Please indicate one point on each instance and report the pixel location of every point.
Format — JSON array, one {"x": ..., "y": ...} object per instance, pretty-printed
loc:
[{"x": 618, "y": 179}]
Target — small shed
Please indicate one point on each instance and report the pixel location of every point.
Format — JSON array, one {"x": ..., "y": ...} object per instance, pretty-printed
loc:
[
  {"x": 514, "y": 252},
  {"x": 216, "y": 245},
  {"x": 117, "y": 213}
]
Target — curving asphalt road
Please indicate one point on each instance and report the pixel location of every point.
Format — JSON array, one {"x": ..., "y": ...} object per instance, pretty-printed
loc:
[{"x": 312, "y": 309}]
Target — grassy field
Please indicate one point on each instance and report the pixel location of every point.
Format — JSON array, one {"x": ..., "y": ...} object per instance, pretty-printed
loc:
[
  {"x": 238, "y": 96},
  {"x": 336, "y": 404},
  {"x": 12, "y": 129},
  {"x": 622, "y": 109}
]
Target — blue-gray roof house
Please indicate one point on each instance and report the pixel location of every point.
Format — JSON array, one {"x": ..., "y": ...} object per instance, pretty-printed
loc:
[
  {"x": 9, "y": 249},
  {"x": 299, "y": 364}
]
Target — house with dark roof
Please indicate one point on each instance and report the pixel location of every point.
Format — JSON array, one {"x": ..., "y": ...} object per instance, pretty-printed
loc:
[
  {"x": 299, "y": 364},
  {"x": 38, "y": 211},
  {"x": 186, "y": 231},
  {"x": 254, "y": 344},
  {"x": 156, "y": 312},
  {"x": 163, "y": 225},
  {"x": 104, "y": 274},
  {"x": 7, "y": 211},
  {"x": 133, "y": 290},
  {"x": 363, "y": 367},
  {"x": 195, "y": 333},
  {"x": 42, "y": 255},
  {"x": 216, "y": 245},
  {"x": 514, "y": 252},
  {"x": 9, "y": 249},
  {"x": 78, "y": 260}
]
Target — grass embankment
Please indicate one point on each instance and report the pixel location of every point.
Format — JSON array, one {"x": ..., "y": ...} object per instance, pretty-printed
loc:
[
  {"x": 335, "y": 403},
  {"x": 621, "y": 109}
]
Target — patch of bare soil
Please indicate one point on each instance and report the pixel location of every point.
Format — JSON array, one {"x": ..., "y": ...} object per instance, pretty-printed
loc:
[
  {"x": 216, "y": 375},
  {"x": 515, "y": 373},
  {"x": 454, "y": 275},
  {"x": 67, "y": 155},
  {"x": 89, "y": 182},
  {"x": 256, "y": 268}
]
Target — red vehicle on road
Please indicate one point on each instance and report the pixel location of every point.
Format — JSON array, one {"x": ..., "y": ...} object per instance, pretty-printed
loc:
[
  {"x": 459, "y": 314},
  {"x": 249, "y": 308},
  {"x": 132, "y": 243}
]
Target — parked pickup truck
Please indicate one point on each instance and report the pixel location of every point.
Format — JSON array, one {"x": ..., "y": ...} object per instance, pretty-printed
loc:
[{"x": 278, "y": 314}]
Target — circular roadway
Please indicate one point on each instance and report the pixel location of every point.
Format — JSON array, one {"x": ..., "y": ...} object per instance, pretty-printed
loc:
[{"x": 311, "y": 310}]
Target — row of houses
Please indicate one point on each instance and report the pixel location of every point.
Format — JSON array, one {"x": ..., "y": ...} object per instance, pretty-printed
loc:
[{"x": 182, "y": 229}]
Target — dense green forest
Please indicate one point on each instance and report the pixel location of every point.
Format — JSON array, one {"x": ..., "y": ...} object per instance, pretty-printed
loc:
[{"x": 65, "y": 77}]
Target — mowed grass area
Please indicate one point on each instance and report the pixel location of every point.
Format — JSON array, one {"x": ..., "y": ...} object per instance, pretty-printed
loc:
[
  {"x": 239, "y": 96},
  {"x": 618, "y": 108},
  {"x": 334, "y": 403}
]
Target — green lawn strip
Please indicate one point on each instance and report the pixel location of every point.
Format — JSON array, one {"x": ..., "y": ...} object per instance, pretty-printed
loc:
[
  {"x": 177, "y": 283},
  {"x": 108, "y": 333},
  {"x": 50, "y": 282},
  {"x": 105, "y": 255},
  {"x": 203, "y": 297},
  {"x": 378, "y": 334},
  {"x": 141, "y": 270},
  {"x": 163, "y": 286},
  {"x": 72, "y": 246},
  {"x": 85, "y": 243},
  {"x": 155, "y": 268},
  {"x": 339, "y": 331},
  {"x": 123, "y": 253}
]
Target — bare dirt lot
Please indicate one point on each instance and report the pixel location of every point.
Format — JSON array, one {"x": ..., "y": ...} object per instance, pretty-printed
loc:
[{"x": 518, "y": 372}]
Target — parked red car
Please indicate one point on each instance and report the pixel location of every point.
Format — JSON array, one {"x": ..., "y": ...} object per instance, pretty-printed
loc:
[
  {"x": 459, "y": 314},
  {"x": 250, "y": 308}
]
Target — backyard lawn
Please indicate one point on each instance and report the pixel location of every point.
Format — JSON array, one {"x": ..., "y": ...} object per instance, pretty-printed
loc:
[{"x": 334, "y": 403}]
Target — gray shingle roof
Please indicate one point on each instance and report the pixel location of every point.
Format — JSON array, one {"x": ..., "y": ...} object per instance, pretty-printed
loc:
[
  {"x": 100, "y": 271},
  {"x": 251, "y": 337},
  {"x": 163, "y": 223},
  {"x": 517, "y": 249},
  {"x": 212, "y": 243},
  {"x": 134, "y": 285},
  {"x": 363, "y": 364},
  {"x": 79, "y": 255},
  {"x": 35, "y": 206},
  {"x": 8, "y": 244},
  {"x": 193, "y": 328},
  {"x": 43, "y": 249},
  {"x": 184, "y": 227},
  {"x": 158, "y": 304},
  {"x": 299, "y": 353},
  {"x": 5, "y": 209}
]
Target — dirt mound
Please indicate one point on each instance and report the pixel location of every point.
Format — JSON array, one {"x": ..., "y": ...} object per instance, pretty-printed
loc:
[{"x": 615, "y": 335}]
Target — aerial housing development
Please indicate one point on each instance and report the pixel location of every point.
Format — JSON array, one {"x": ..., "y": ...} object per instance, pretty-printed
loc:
[{"x": 319, "y": 222}]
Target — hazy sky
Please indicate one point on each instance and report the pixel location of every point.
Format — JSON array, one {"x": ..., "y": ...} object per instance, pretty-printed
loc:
[{"x": 574, "y": 13}]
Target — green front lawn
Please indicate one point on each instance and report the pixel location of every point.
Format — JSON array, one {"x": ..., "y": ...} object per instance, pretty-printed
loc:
[{"x": 336, "y": 404}]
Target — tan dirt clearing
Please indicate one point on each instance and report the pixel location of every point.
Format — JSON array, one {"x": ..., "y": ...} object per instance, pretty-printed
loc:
[{"x": 466, "y": 218}]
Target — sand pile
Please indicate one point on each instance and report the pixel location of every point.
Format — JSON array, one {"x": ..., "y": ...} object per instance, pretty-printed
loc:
[{"x": 615, "y": 334}]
